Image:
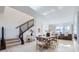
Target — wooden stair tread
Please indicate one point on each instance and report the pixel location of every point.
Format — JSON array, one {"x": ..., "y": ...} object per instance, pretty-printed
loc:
[
  {"x": 12, "y": 39},
  {"x": 10, "y": 42},
  {"x": 12, "y": 45}
]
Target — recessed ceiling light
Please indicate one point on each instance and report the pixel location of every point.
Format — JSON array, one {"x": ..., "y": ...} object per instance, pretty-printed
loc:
[
  {"x": 52, "y": 10},
  {"x": 46, "y": 13},
  {"x": 35, "y": 7},
  {"x": 61, "y": 7}
]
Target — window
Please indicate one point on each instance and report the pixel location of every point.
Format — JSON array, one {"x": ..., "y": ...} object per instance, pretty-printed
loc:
[
  {"x": 62, "y": 28},
  {"x": 58, "y": 29}
]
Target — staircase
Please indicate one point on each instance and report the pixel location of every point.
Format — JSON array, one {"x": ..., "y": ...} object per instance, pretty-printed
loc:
[
  {"x": 6, "y": 43},
  {"x": 12, "y": 42}
]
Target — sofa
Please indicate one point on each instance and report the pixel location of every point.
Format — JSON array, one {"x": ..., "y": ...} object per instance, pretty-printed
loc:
[{"x": 68, "y": 37}]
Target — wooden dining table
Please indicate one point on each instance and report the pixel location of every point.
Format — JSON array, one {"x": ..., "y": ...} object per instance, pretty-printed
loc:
[{"x": 45, "y": 41}]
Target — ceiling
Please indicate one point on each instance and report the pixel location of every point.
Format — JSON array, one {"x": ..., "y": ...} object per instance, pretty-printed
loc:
[
  {"x": 54, "y": 12},
  {"x": 2, "y": 9}
]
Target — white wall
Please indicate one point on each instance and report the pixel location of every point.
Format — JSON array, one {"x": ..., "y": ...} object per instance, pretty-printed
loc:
[
  {"x": 76, "y": 23},
  {"x": 10, "y": 20},
  {"x": 78, "y": 26},
  {"x": 75, "y": 20}
]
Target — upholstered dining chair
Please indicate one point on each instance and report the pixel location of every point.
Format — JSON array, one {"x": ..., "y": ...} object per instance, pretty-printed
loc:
[{"x": 53, "y": 42}]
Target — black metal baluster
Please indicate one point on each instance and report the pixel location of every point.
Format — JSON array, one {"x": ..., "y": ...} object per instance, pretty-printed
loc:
[
  {"x": 21, "y": 32},
  {"x": 21, "y": 36}
]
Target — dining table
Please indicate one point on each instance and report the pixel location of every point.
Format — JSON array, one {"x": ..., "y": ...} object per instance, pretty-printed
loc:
[{"x": 45, "y": 40}]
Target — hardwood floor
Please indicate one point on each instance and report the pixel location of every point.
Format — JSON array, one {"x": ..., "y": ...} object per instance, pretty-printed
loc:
[{"x": 63, "y": 46}]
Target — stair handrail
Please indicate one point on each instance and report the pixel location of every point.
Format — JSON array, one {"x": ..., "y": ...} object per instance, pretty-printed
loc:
[{"x": 22, "y": 32}]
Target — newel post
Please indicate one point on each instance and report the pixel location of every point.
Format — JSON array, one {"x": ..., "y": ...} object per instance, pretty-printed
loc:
[{"x": 3, "y": 43}]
